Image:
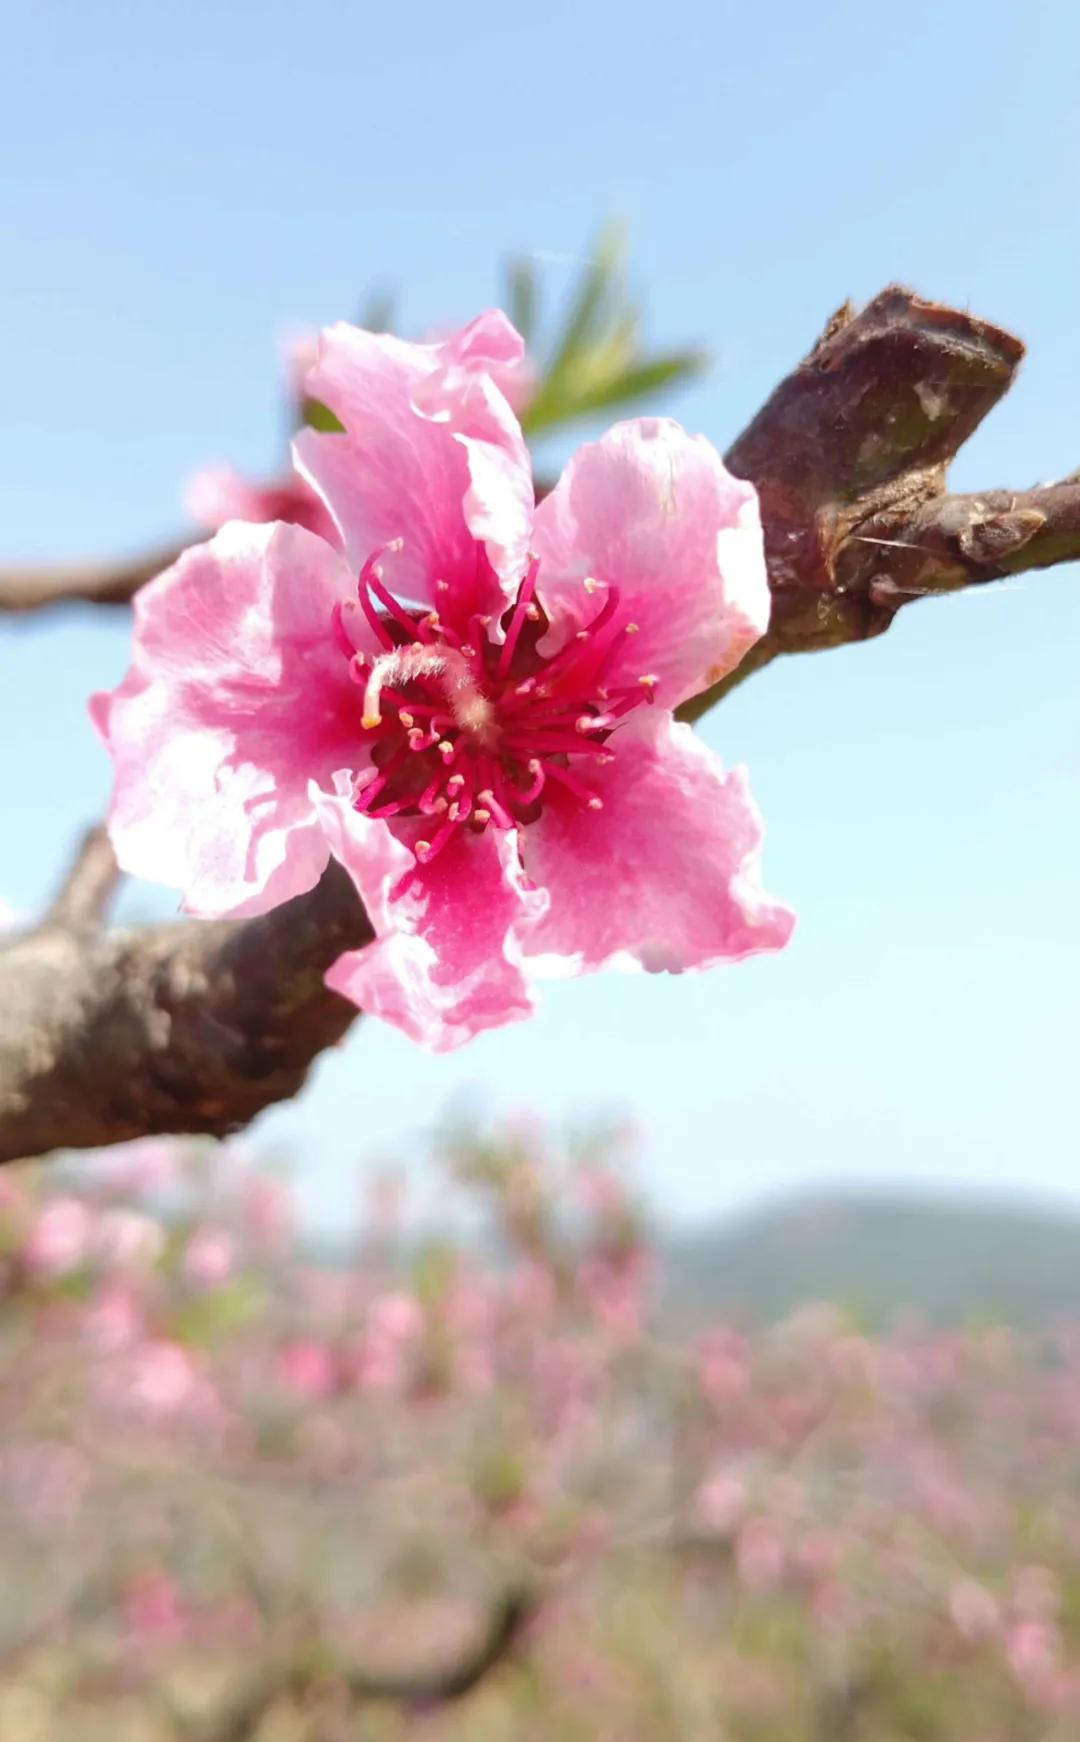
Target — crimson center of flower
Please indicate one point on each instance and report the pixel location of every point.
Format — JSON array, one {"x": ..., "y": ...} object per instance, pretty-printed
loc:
[{"x": 468, "y": 723}]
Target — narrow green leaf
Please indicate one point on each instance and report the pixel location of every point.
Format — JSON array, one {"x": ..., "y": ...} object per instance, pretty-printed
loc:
[
  {"x": 522, "y": 297},
  {"x": 644, "y": 378},
  {"x": 319, "y": 416},
  {"x": 377, "y": 311},
  {"x": 599, "y": 279}
]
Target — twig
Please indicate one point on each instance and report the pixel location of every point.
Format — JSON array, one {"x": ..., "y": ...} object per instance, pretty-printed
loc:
[
  {"x": 850, "y": 457},
  {"x": 27, "y": 587},
  {"x": 83, "y": 897},
  {"x": 438, "y": 1685}
]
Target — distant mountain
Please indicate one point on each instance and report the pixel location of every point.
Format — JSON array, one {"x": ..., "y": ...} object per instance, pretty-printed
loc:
[{"x": 954, "y": 1260}]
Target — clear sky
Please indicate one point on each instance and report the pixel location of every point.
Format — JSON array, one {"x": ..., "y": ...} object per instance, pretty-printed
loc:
[{"x": 183, "y": 185}]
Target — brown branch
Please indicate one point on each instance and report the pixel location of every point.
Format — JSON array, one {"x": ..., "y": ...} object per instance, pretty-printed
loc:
[
  {"x": 850, "y": 456},
  {"x": 440, "y": 1684},
  {"x": 184, "y": 1027},
  {"x": 198, "y": 1027},
  {"x": 83, "y": 897},
  {"x": 27, "y": 587}
]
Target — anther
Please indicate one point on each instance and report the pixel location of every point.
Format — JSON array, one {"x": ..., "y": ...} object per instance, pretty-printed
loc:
[
  {"x": 407, "y": 720},
  {"x": 396, "y": 544},
  {"x": 595, "y": 804},
  {"x": 591, "y": 584},
  {"x": 370, "y": 721}
]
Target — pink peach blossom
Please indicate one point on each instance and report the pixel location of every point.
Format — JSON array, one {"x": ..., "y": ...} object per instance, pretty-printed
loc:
[
  {"x": 59, "y": 1240},
  {"x": 480, "y": 729},
  {"x": 220, "y": 493},
  {"x": 209, "y": 1257},
  {"x": 308, "y": 1367},
  {"x": 160, "y": 1381},
  {"x": 126, "y": 1239}
]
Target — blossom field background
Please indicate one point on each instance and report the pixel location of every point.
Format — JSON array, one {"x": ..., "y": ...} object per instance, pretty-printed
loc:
[{"x": 487, "y": 1480}]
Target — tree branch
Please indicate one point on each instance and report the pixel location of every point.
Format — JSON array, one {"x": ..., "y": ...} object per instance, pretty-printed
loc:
[
  {"x": 198, "y": 1027},
  {"x": 28, "y": 587},
  {"x": 437, "y": 1685},
  {"x": 83, "y": 897},
  {"x": 850, "y": 456},
  {"x": 188, "y": 1027}
]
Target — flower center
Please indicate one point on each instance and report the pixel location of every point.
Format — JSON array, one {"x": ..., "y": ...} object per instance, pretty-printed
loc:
[{"x": 471, "y": 728}]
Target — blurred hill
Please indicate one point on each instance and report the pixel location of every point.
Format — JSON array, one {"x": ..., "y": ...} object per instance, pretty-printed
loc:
[{"x": 953, "y": 1260}]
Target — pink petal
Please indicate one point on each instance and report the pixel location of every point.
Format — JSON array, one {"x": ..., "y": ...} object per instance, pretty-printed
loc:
[
  {"x": 237, "y": 697},
  {"x": 668, "y": 872},
  {"x": 445, "y": 963},
  {"x": 655, "y": 512},
  {"x": 431, "y": 454}
]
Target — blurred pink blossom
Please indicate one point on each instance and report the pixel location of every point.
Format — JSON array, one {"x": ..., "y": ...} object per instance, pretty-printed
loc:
[
  {"x": 209, "y": 1257},
  {"x": 58, "y": 1240}
]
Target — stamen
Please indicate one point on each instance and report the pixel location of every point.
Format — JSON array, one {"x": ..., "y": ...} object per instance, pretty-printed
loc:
[
  {"x": 492, "y": 808},
  {"x": 536, "y": 786},
  {"x": 564, "y": 777},
  {"x": 517, "y": 621}
]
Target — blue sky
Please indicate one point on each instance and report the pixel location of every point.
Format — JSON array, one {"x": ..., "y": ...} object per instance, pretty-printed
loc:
[{"x": 181, "y": 186}]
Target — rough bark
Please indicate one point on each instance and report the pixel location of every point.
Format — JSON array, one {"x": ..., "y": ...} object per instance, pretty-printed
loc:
[
  {"x": 198, "y": 1027},
  {"x": 189, "y": 1027},
  {"x": 850, "y": 456}
]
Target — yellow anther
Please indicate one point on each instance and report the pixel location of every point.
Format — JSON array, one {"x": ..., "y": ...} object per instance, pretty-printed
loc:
[
  {"x": 396, "y": 544},
  {"x": 633, "y": 629},
  {"x": 407, "y": 720},
  {"x": 446, "y": 748},
  {"x": 482, "y": 815},
  {"x": 590, "y": 583},
  {"x": 370, "y": 721},
  {"x": 649, "y": 681}
]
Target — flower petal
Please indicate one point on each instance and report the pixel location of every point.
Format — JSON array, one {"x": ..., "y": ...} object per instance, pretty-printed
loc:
[
  {"x": 446, "y": 963},
  {"x": 237, "y": 697},
  {"x": 667, "y": 873},
  {"x": 655, "y": 512},
  {"x": 431, "y": 454}
]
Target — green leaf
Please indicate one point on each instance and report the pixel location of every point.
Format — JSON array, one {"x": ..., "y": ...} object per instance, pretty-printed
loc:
[
  {"x": 597, "y": 284},
  {"x": 522, "y": 297},
  {"x": 643, "y": 378},
  {"x": 319, "y": 416},
  {"x": 377, "y": 311}
]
